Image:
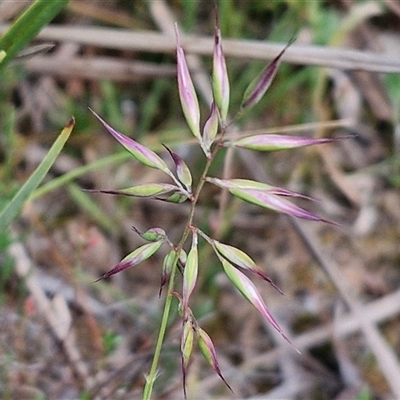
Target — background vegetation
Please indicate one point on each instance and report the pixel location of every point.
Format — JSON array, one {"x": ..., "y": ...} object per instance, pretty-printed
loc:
[{"x": 64, "y": 337}]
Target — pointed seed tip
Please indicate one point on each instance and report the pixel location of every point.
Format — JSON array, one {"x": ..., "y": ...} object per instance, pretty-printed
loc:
[
  {"x": 277, "y": 289},
  {"x": 350, "y": 136},
  {"x": 135, "y": 230},
  {"x": 70, "y": 123},
  {"x": 226, "y": 383},
  {"x": 95, "y": 114},
  {"x": 333, "y": 223},
  {"x": 177, "y": 34}
]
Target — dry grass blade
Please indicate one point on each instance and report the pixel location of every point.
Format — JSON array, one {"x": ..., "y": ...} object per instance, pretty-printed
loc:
[
  {"x": 165, "y": 43},
  {"x": 10, "y": 9},
  {"x": 384, "y": 354},
  {"x": 96, "y": 68},
  {"x": 56, "y": 314}
]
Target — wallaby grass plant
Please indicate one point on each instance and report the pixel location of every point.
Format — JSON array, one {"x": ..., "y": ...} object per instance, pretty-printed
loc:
[{"x": 212, "y": 137}]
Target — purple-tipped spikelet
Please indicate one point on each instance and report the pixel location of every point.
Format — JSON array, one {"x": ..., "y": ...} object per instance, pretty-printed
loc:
[
  {"x": 187, "y": 94},
  {"x": 207, "y": 348},
  {"x": 278, "y": 142},
  {"x": 276, "y": 203},
  {"x": 186, "y": 348},
  {"x": 182, "y": 171},
  {"x": 220, "y": 81},
  {"x": 249, "y": 184},
  {"x": 140, "y": 152},
  {"x": 168, "y": 264},
  {"x": 190, "y": 272},
  {"x": 238, "y": 257},
  {"x": 247, "y": 288},
  {"x": 260, "y": 85},
  {"x": 210, "y": 130},
  {"x": 144, "y": 190},
  {"x": 136, "y": 257},
  {"x": 266, "y": 196}
]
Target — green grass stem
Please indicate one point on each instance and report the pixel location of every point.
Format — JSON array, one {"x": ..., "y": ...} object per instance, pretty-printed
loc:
[
  {"x": 27, "y": 26},
  {"x": 12, "y": 209}
]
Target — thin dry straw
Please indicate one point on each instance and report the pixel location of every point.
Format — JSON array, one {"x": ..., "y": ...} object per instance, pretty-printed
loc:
[{"x": 161, "y": 43}]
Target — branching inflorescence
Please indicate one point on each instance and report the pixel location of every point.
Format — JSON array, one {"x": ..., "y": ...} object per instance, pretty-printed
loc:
[{"x": 211, "y": 139}]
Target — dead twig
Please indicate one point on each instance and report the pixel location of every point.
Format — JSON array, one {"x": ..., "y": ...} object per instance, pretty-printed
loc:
[
  {"x": 165, "y": 43},
  {"x": 97, "y": 68}
]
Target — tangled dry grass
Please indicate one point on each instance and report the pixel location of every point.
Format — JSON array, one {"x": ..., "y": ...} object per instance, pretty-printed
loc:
[{"x": 63, "y": 337}]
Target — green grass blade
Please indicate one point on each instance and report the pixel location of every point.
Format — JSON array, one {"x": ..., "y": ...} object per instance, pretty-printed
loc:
[
  {"x": 14, "y": 206},
  {"x": 78, "y": 172},
  {"x": 27, "y": 26}
]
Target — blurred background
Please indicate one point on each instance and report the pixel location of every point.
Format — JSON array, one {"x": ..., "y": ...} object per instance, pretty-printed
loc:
[{"x": 64, "y": 337}]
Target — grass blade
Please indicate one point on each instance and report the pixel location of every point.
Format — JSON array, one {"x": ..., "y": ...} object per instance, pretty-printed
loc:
[
  {"x": 14, "y": 206},
  {"x": 27, "y": 26}
]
